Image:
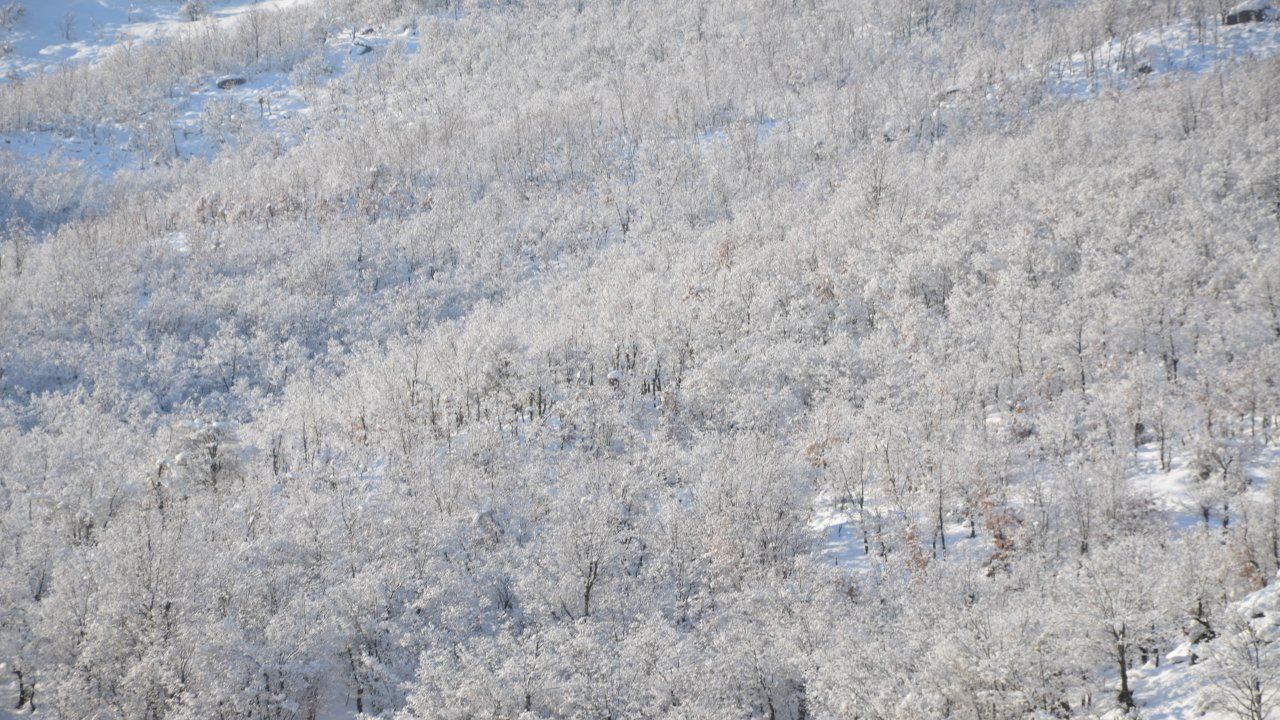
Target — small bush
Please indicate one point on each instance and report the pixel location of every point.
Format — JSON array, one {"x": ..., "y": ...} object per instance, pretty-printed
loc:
[
  {"x": 193, "y": 10},
  {"x": 10, "y": 14}
]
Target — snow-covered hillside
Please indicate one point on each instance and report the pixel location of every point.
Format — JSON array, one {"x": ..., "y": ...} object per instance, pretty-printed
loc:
[
  {"x": 670, "y": 360},
  {"x": 1149, "y": 54},
  {"x": 1206, "y": 676},
  {"x": 45, "y": 34},
  {"x": 1227, "y": 677},
  {"x": 202, "y": 114}
]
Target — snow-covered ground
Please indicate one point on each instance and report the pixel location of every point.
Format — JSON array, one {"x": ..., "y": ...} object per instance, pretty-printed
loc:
[
  {"x": 51, "y": 32},
  {"x": 210, "y": 117},
  {"x": 202, "y": 123},
  {"x": 843, "y": 544},
  {"x": 1171, "y": 689},
  {"x": 1179, "y": 688},
  {"x": 1176, "y": 494},
  {"x": 204, "y": 119},
  {"x": 1188, "y": 46}
]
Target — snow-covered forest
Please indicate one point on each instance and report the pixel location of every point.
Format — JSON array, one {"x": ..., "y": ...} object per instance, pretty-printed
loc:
[{"x": 686, "y": 359}]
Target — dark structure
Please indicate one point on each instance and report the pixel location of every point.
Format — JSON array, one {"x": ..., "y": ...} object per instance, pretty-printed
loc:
[{"x": 1249, "y": 13}]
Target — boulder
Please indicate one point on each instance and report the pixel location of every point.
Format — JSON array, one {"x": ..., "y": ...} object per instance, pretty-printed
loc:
[{"x": 1249, "y": 12}]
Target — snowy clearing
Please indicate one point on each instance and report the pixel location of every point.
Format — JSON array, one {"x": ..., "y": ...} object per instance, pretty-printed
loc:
[
  {"x": 1186, "y": 47},
  {"x": 52, "y": 32}
]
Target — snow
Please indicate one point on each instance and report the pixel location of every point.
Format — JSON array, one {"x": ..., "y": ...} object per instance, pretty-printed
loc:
[
  {"x": 179, "y": 242},
  {"x": 1250, "y": 6},
  {"x": 1171, "y": 691},
  {"x": 8, "y": 692},
  {"x": 206, "y": 118},
  {"x": 1176, "y": 494},
  {"x": 841, "y": 541},
  {"x": 719, "y": 137},
  {"x": 204, "y": 122},
  {"x": 1184, "y": 47},
  {"x": 1175, "y": 688},
  {"x": 52, "y": 32},
  {"x": 1179, "y": 689}
]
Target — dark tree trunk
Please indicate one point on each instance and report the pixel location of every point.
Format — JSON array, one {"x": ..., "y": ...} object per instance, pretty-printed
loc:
[
  {"x": 1125, "y": 696},
  {"x": 26, "y": 693},
  {"x": 593, "y": 572}
]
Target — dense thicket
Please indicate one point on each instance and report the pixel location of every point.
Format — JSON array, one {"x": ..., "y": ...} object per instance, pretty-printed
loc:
[{"x": 507, "y": 381}]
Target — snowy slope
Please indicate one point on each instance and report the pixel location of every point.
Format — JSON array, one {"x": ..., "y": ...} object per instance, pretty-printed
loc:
[
  {"x": 204, "y": 119},
  {"x": 1189, "y": 46},
  {"x": 1207, "y": 688},
  {"x": 51, "y": 32},
  {"x": 1175, "y": 687}
]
